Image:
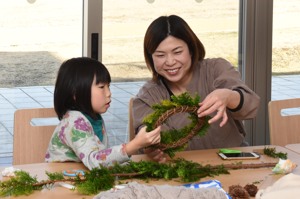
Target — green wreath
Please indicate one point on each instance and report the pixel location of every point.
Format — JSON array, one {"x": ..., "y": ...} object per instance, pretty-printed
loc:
[{"x": 176, "y": 140}]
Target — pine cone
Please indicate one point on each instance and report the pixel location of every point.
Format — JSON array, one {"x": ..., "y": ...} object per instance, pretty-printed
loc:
[
  {"x": 251, "y": 189},
  {"x": 238, "y": 192}
]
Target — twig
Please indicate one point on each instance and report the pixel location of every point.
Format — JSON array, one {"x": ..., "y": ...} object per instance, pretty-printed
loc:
[
  {"x": 226, "y": 166},
  {"x": 248, "y": 166},
  {"x": 182, "y": 141}
]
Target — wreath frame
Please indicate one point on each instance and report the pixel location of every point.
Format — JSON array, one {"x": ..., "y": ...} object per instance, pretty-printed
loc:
[{"x": 176, "y": 139}]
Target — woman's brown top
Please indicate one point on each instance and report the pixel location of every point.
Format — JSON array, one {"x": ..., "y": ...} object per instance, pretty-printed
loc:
[{"x": 208, "y": 75}]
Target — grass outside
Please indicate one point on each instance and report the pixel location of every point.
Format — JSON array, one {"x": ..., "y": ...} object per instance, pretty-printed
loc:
[{"x": 32, "y": 46}]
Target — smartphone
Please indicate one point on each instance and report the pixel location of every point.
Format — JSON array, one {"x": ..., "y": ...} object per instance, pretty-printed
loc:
[{"x": 239, "y": 156}]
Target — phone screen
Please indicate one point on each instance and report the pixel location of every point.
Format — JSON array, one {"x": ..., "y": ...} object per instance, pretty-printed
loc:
[
  {"x": 243, "y": 155},
  {"x": 239, "y": 155}
]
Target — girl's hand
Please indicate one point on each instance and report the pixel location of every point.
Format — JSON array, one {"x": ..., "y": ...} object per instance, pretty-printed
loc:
[
  {"x": 143, "y": 139},
  {"x": 155, "y": 154},
  {"x": 217, "y": 101}
]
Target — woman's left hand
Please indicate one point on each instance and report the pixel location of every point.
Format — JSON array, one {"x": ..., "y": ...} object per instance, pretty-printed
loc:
[
  {"x": 156, "y": 155},
  {"x": 217, "y": 101}
]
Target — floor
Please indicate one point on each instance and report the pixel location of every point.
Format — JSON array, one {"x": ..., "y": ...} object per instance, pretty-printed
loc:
[{"x": 11, "y": 99}]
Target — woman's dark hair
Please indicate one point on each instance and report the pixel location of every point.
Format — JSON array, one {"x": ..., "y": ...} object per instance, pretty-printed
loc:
[
  {"x": 175, "y": 26},
  {"x": 73, "y": 85}
]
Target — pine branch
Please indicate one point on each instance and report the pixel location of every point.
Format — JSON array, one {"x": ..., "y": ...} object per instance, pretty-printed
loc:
[
  {"x": 102, "y": 178},
  {"x": 272, "y": 153},
  {"x": 42, "y": 183},
  {"x": 226, "y": 166}
]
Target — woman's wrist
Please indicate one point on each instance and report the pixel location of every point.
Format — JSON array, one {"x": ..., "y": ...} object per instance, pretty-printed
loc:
[{"x": 236, "y": 100}]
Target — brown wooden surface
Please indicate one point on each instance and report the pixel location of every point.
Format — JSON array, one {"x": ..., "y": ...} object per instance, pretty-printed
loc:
[
  {"x": 262, "y": 176},
  {"x": 284, "y": 129},
  {"x": 294, "y": 147},
  {"x": 242, "y": 176},
  {"x": 131, "y": 133},
  {"x": 31, "y": 142}
]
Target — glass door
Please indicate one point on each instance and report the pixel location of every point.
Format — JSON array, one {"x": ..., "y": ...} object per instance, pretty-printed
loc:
[
  {"x": 36, "y": 36},
  {"x": 125, "y": 23},
  {"x": 286, "y": 50}
]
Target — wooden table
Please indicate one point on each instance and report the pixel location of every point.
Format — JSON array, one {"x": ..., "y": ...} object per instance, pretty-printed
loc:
[
  {"x": 262, "y": 176},
  {"x": 294, "y": 147}
]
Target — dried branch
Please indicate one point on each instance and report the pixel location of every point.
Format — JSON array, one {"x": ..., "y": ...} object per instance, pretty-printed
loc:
[
  {"x": 250, "y": 166},
  {"x": 193, "y": 132}
]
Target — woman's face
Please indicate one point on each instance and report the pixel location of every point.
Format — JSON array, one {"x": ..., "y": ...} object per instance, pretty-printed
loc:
[
  {"x": 100, "y": 97},
  {"x": 172, "y": 60}
]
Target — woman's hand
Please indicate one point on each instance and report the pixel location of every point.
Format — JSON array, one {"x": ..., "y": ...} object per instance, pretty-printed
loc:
[
  {"x": 217, "y": 101},
  {"x": 156, "y": 155},
  {"x": 143, "y": 139}
]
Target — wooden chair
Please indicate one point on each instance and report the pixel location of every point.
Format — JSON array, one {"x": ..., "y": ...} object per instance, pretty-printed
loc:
[
  {"x": 284, "y": 126},
  {"x": 131, "y": 133},
  {"x": 30, "y": 141}
]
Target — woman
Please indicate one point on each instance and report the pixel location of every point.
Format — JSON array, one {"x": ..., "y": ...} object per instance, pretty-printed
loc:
[{"x": 175, "y": 56}]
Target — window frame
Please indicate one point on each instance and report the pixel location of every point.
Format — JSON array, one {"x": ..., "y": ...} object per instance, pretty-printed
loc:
[{"x": 255, "y": 54}]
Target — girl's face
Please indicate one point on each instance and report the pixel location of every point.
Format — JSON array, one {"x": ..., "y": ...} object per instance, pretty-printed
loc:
[
  {"x": 100, "y": 97},
  {"x": 172, "y": 60}
]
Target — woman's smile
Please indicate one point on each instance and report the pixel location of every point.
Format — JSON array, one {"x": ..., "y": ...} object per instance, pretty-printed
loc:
[{"x": 173, "y": 71}]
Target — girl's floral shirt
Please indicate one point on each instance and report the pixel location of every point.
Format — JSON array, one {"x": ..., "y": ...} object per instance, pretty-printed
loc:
[{"x": 74, "y": 140}]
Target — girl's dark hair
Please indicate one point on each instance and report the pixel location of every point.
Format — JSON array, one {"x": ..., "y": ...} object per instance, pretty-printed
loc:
[
  {"x": 73, "y": 85},
  {"x": 175, "y": 26}
]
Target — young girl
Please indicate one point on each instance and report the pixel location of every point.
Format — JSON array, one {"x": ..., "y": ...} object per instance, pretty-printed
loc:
[{"x": 81, "y": 95}]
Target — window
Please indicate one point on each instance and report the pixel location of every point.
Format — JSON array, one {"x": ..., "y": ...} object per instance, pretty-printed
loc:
[
  {"x": 125, "y": 23},
  {"x": 35, "y": 37},
  {"x": 286, "y": 50}
]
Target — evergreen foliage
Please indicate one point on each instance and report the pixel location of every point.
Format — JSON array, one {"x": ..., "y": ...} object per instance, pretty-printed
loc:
[
  {"x": 103, "y": 178},
  {"x": 98, "y": 179},
  {"x": 173, "y": 135},
  {"x": 21, "y": 184},
  {"x": 272, "y": 153}
]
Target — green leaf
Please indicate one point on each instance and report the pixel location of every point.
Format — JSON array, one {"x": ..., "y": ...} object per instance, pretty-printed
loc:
[{"x": 173, "y": 135}]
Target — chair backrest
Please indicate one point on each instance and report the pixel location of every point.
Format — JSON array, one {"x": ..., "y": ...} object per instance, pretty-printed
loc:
[
  {"x": 284, "y": 121},
  {"x": 131, "y": 133},
  {"x": 33, "y": 129}
]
